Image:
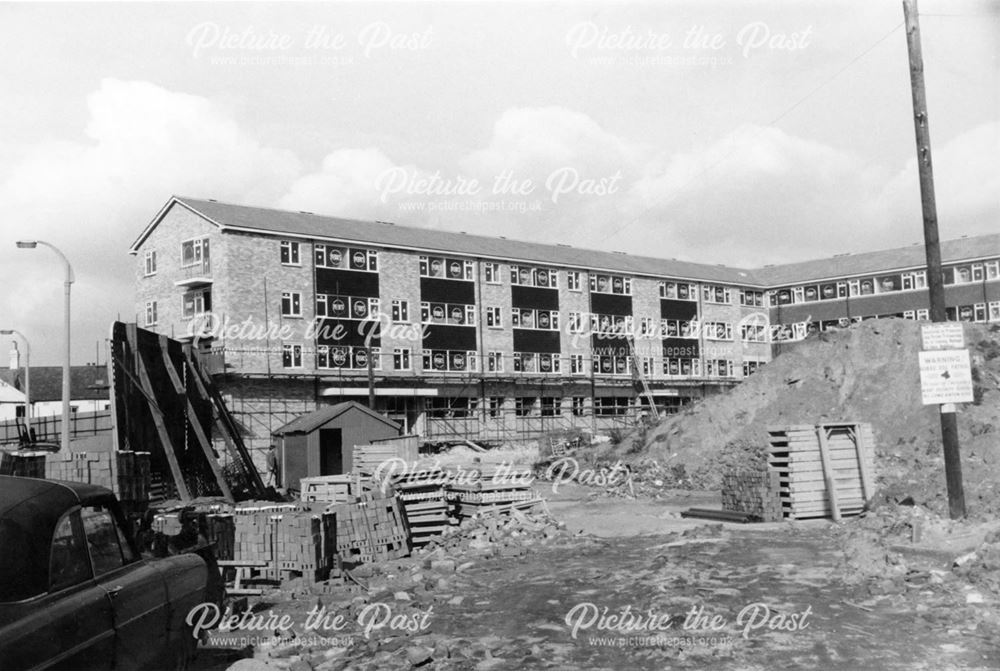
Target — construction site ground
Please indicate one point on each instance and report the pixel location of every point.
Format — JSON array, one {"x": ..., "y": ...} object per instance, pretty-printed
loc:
[{"x": 836, "y": 597}]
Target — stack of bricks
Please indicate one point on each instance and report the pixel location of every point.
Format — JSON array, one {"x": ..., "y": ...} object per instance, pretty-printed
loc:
[
  {"x": 303, "y": 544},
  {"x": 756, "y": 493},
  {"x": 23, "y": 464},
  {"x": 330, "y": 489},
  {"x": 289, "y": 540},
  {"x": 95, "y": 468},
  {"x": 127, "y": 474},
  {"x": 370, "y": 530}
]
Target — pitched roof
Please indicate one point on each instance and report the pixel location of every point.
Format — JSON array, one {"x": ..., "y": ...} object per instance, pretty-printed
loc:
[
  {"x": 229, "y": 216},
  {"x": 85, "y": 382},
  {"x": 886, "y": 260},
  {"x": 282, "y": 222},
  {"x": 317, "y": 418}
]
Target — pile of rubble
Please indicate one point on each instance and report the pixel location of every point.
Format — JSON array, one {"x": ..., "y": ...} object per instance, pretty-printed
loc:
[
  {"x": 868, "y": 373},
  {"x": 436, "y": 575}
]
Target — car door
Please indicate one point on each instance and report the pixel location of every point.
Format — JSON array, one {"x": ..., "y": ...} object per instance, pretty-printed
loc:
[
  {"x": 71, "y": 626},
  {"x": 136, "y": 590}
]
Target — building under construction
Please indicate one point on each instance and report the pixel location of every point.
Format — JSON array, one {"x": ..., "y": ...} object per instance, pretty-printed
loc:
[{"x": 459, "y": 335}]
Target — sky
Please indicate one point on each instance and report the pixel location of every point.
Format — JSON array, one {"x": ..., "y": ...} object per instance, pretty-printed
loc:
[{"x": 739, "y": 132}]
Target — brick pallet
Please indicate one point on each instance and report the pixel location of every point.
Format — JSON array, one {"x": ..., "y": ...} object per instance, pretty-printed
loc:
[
  {"x": 370, "y": 530},
  {"x": 279, "y": 542},
  {"x": 756, "y": 493},
  {"x": 330, "y": 488},
  {"x": 823, "y": 470}
]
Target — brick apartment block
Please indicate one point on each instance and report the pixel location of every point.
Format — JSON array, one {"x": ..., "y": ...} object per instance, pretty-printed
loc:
[{"x": 494, "y": 338}]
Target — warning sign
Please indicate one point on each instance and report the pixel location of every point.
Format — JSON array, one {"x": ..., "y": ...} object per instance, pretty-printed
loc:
[
  {"x": 946, "y": 377},
  {"x": 942, "y": 336}
]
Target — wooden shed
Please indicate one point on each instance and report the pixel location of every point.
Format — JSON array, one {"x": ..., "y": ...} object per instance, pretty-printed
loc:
[{"x": 322, "y": 442}]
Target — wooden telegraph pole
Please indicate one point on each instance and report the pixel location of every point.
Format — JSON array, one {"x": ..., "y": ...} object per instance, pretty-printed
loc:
[{"x": 932, "y": 245}]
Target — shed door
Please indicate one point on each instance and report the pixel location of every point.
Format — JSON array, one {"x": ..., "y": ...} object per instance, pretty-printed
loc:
[{"x": 331, "y": 452}]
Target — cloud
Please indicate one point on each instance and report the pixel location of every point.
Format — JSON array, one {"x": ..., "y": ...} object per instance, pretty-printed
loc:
[
  {"x": 966, "y": 186},
  {"x": 757, "y": 195},
  {"x": 92, "y": 197}
]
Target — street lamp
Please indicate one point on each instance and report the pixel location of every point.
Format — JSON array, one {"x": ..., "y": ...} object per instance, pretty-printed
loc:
[
  {"x": 32, "y": 244},
  {"x": 27, "y": 375}
]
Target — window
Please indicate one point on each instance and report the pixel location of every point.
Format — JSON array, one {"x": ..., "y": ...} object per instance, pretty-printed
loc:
[
  {"x": 575, "y": 323},
  {"x": 753, "y": 333},
  {"x": 401, "y": 358},
  {"x": 491, "y": 272},
  {"x": 716, "y": 294},
  {"x": 149, "y": 262},
  {"x": 524, "y": 405},
  {"x": 290, "y": 253},
  {"x": 611, "y": 284},
  {"x": 452, "y": 269},
  {"x": 914, "y": 280},
  {"x": 194, "y": 251},
  {"x": 291, "y": 356},
  {"x": 196, "y": 303},
  {"x": 291, "y": 304},
  {"x": 682, "y": 367},
  {"x": 496, "y": 405},
  {"x": 534, "y": 319},
  {"x": 752, "y": 298},
  {"x": 328, "y": 256},
  {"x": 751, "y": 367},
  {"x": 678, "y": 290},
  {"x": 449, "y": 360},
  {"x": 718, "y": 368},
  {"x": 534, "y": 277},
  {"x": 400, "y": 311},
  {"x": 494, "y": 362},
  {"x": 150, "y": 313},
  {"x": 993, "y": 270},
  {"x": 607, "y": 406},
  {"x": 550, "y": 406},
  {"x": 718, "y": 330},
  {"x": 579, "y": 406},
  {"x": 493, "y": 319},
  {"x": 69, "y": 563},
  {"x": 576, "y": 364},
  {"x": 994, "y": 311},
  {"x": 573, "y": 280},
  {"x": 977, "y": 272},
  {"x": 108, "y": 548}
]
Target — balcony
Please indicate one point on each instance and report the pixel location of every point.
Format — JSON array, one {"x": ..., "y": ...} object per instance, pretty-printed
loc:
[{"x": 196, "y": 275}]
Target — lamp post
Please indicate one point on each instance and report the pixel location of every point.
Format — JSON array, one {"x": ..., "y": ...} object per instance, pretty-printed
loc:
[
  {"x": 67, "y": 284},
  {"x": 27, "y": 375}
]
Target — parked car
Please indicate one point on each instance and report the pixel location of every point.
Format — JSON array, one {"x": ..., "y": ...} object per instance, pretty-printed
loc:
[{"x": 75, "y": 593}]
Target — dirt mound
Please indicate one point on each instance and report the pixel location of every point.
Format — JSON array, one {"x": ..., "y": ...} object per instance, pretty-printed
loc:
[{"x": 868, "y": 373}]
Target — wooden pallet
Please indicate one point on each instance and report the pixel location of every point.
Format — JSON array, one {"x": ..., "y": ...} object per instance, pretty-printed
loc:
[{"x": 824, "y": 470}]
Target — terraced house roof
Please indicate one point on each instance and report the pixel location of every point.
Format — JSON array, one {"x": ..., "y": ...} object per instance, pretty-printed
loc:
[{"x": 261, "y": 220}]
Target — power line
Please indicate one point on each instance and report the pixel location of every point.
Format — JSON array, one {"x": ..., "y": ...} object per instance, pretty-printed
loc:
[{"x": 771, "y": 123}]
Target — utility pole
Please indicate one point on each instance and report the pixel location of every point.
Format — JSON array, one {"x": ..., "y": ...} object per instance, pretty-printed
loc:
[{"x": 932, "y": 246}]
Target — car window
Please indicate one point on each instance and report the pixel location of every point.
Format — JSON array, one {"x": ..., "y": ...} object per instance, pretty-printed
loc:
[
  {"x": 103, "y": 540},
  {"x": 68, "y": 562}
]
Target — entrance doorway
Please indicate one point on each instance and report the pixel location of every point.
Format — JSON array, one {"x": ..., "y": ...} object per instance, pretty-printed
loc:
[{"x": 331, "y": 452}]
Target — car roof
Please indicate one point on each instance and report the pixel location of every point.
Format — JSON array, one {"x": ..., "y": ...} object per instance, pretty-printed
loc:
[{"x": 30, "y": 509}]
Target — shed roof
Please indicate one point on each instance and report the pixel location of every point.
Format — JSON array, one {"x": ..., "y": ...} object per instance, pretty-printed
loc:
[{"x": 311, "y": 421}]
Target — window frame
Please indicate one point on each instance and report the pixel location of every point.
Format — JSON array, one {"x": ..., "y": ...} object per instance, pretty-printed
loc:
[
  {"x": 292, "y": 297},
  {"x": 292, "y": 249},
  {"x": 149, "y": 263}
]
